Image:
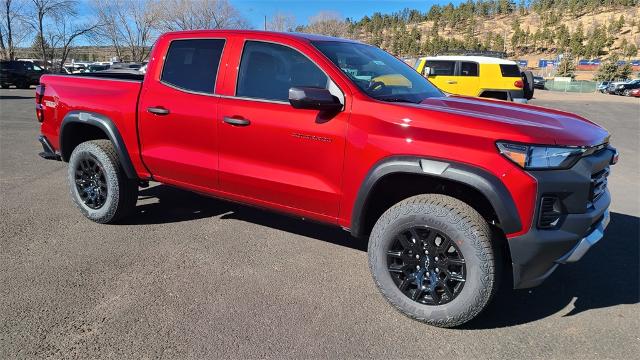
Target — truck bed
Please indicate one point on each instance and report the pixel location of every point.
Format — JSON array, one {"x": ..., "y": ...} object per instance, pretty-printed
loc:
[
  {"x": 114, "y": 96},
  {"x": 116, "y": 75}
]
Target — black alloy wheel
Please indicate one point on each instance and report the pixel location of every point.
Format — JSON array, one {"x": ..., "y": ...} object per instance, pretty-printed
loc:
[
  {"x": 91, "y": 182},
  {"x": 426, "y": 265}
]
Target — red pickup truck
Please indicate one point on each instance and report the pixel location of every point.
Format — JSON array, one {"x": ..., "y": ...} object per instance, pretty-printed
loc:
[{"x": 452, "y": 192}]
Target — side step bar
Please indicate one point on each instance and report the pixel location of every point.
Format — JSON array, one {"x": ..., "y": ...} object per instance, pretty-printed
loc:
[{"x": 48, "y": 152}]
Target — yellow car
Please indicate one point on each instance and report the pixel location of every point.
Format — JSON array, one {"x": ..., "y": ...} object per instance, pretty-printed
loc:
[{"x": 480, "y": 76}]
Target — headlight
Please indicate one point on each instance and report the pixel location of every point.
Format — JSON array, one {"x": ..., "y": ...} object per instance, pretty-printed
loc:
[{"x": 535, "y": 157}]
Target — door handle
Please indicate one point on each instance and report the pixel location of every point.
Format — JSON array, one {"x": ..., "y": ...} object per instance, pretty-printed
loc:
[
  {"x": 159, "y": 110},
  {"x": 452, "y": 82},
  {"x": 236, "y": 121}
]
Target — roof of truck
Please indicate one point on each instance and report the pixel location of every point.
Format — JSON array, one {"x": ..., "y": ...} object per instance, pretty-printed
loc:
[
  {"x": 478, "y": 59},
  {"x": 293, "y": 35}
]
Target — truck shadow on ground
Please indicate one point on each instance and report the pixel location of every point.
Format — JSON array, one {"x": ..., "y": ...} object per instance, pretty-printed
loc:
[
  {"x": 176, "y": 205},
  {"x": 15, "y": 97},
  {"x": 607, "y": 276}
]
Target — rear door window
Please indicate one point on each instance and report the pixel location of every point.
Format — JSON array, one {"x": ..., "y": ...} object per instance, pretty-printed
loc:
[
  {"x": 445, "y": 68},
  {"x": 8, "y": 65},
  {"x": 468, "y": 69},
  {"x": 268, "y": 70},
  {"x": 192, "y": 65},
  {"x": 509, "y": 70}
]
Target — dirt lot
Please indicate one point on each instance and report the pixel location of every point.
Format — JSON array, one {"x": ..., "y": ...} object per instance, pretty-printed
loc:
[{"x": 193, "y": 277}]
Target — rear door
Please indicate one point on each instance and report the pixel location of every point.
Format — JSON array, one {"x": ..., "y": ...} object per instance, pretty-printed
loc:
[
  {"x": 469, "y": 78},
  {"x": 177, "y": 113},
  {"x": 270, "y": 152},
  {"x": 444, "y": 75}
]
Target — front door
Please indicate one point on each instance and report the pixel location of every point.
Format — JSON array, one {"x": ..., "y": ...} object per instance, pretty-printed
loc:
[
  {"x": 177, "y": 115},
  {"x": 271, "y": 152}
]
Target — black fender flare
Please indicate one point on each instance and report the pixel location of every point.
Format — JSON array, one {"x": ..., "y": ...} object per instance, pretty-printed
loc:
[
  {"x": 108, "y": 127},
  {"x": 486, "y": 183}
]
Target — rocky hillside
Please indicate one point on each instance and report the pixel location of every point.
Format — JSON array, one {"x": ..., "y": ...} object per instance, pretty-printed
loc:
[{"x": 542, "y": 29}]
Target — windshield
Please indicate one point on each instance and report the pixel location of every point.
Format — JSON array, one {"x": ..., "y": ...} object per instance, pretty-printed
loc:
[{"x": 377, "y": 73}]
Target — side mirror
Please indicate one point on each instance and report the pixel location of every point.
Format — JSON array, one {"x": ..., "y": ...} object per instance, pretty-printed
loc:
[
  {"x": 428, "y": 71},
  {"x": 314, "y": 99}
]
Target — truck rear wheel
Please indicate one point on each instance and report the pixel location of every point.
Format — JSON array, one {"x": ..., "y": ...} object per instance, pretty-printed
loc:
[
  {"x": 98, "y": 184},
  {"x": 431, "y": 257}
]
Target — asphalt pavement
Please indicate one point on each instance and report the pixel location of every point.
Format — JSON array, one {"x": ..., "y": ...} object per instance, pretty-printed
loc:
[{"x": 194, "y": 277}]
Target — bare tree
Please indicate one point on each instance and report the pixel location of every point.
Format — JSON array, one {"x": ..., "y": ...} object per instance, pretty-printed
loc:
[
  {"x": 128, "y": 25},
  {"x": 327, "y": 23},
  {"x": 66, "y": 31},
  {"x": 13, "y": 29},
  {"x": 42, "y": 10},
  {"x": 281, "y": 22},
  {"x": 199, "y": 14}
]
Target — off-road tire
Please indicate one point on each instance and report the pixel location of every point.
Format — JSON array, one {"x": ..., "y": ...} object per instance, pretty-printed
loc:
[
  {"x": 528, "y": 88},
  {"x": 472, "y": 235},
  {"x": 122, "y": 192},
  {"x": 5, "y": 86}
]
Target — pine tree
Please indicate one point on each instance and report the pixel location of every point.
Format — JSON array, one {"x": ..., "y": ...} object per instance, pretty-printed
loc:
[
  {"x": 567, "y": 66},
  {"x": 610, "y": 70},
  {"x": 577, "y": 39},
  {"x": 36, "y": 47}
]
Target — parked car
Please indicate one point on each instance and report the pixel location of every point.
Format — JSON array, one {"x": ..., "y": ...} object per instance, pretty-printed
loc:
[
  {"x": 22, "y": 74},
  {"x": 96, "y": 67},
  {"x": 130, "y": 66},
  {"x": 480, "y": 76},
  {"x": 602, "y": 87},
  {"x": 634, "y": 93},
  {"x": 75, "y": 68},
  {"x": 538, "y": 82},
  {"x": 622, "y": 88},
  {"x": 449, "y": 190},
  {"x": 611, "y": 88}
]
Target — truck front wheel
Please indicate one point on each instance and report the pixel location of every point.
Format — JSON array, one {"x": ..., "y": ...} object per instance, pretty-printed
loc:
[
  {"x": 431, "y": 256},
  {"x": 98, "y": 184}
]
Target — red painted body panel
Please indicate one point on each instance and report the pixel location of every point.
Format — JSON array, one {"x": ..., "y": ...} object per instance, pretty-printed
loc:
[
  {"x": 291, "y": 160},
  {"x": 115, "y": 99}
]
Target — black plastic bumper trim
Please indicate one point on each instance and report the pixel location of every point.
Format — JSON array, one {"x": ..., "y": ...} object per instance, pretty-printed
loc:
[{"x": 536, "y": 254}]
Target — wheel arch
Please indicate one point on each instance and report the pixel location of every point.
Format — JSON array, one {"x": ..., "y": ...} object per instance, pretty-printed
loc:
[
  {"x": 404, "y": 176},
  {"x": 80, "y": 126}
]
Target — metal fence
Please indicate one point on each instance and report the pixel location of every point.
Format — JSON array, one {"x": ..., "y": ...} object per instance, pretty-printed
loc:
[{"x": 580, "y": 86}]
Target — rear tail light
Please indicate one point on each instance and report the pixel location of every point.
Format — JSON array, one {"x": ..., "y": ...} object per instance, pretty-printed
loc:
[
  {"x": 519, "y": 84},
  {"x": 550, "y": 212},
  {"x": 39, "y": 105}
]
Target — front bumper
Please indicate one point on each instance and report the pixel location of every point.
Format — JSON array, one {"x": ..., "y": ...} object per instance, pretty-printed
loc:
[
  {"x": 537, "y": 253},
  {"x": 586, "y": 242}
]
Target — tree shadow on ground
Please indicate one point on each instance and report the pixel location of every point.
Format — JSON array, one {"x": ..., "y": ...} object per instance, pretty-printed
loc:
[{"x": 607, "y": 275}]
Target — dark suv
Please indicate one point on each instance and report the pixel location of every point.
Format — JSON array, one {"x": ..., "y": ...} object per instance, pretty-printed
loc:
[{"x": 22, "y": 74}]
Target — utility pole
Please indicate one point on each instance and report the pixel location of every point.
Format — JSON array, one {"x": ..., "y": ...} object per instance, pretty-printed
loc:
[
  {"x": 505, "y": 41},
  {"x": 265, "y": 23}
]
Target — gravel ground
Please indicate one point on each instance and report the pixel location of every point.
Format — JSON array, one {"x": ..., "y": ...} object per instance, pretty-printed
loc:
[{"x": 193, "y": 277}]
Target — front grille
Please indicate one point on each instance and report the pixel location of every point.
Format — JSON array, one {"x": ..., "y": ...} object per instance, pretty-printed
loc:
[
  {"x": 598, "y": 184},
  {"x": 550, "y": 212}
]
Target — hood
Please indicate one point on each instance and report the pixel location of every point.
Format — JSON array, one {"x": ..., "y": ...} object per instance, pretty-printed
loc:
[{"x": 541, "y": 125}]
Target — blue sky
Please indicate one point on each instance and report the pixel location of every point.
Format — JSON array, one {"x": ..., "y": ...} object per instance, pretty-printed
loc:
[{"x": 255, "y": 10}]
